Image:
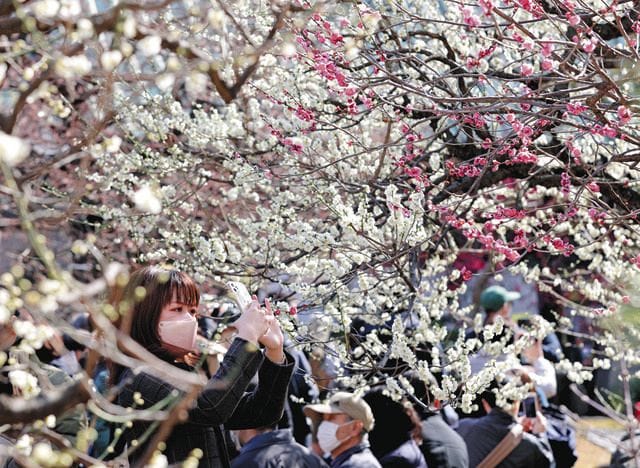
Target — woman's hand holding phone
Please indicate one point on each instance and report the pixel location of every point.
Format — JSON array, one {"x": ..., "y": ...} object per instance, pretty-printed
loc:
[
  {"x": 253, "y": 322},
  {"x": 258, "y": 325},
  {"x": 273, "y": 339}
]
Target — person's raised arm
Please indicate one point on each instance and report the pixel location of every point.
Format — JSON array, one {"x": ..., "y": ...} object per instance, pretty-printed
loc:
[
  {"x": 273, "y": 339},
  {"x": 253, "y": 322},
  {"x": 224, "y": 399},
  {"x": 226, "y": 388},
  {"x": 265, "y": 404}
]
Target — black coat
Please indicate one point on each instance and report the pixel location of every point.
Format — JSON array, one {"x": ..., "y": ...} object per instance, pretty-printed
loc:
[
  {"x": 276, "y": 449},
  {"x": 482, "y": 434},
  {"x": 223, "y": 401}
]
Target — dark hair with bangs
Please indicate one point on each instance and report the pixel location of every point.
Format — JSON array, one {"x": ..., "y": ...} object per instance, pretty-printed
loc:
[{"x": 150, "y": 289}]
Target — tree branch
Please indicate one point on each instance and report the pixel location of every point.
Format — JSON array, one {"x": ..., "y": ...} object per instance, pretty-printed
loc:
[{"x": 14, "y": 410}]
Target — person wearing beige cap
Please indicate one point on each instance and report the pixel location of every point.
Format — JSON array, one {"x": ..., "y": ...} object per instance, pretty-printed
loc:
[{"x": 341, "y": 427}]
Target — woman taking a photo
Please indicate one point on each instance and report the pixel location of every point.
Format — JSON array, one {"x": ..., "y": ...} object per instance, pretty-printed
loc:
[{"x": 163, "y": 320}]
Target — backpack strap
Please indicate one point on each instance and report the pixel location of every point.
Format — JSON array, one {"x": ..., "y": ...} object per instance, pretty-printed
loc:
[{"x": 504, "y": 448}]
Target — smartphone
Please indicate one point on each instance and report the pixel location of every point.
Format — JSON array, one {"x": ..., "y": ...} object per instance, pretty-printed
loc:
[
  {"x": 528, "y": 406},
  {"x": 240, "y": 291}
]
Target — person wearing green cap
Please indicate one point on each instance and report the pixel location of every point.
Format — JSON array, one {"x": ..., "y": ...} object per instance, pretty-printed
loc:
[{"x": 496, "y": 301}]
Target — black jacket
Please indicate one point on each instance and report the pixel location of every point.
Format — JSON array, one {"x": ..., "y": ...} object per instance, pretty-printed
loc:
[
  {"x": 482, "y": 434},
  {"x": 276, "y": 449},
  {"x": 407, "y": 455},
  {"x": 223, "y": 401}
]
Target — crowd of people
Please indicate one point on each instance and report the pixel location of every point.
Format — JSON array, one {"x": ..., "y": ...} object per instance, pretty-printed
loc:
[{"x": 261, "y": 407}]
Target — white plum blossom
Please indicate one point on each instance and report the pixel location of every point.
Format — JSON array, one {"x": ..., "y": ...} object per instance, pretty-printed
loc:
[
  {"x": 147, "y": 200},
  {"x": 370, "y": 19},
  {"x": 28, "y": 73},
  {"x": 288, "y": 49},
  {"x": 33, "y": 336},
  {"x": 84, "y": 29},
  {"x": 46, "y": 9},
  {"x": 216, "y": 18},
  {"x": 126, "y": 49},
  {"x": 72, "y": 66},
  {"x": 50, "y": 421},
  {"x": 129, "y": 26},
  {"x": 173, "y": 64},
  {"x": 112, "y": 144},
  {"x": 149, "y": 45},
  {"x": 70, "y": 9},
  {"x": 196, "y": 83},
  {"x": 165, "y": 81},
  {"x": 110, "y": 59},
  {"x": 42, "y": 454},
  {"x": 575, "y": 371},
  {"x": 13, "y": 150},
  {"x": 24, "y": 383},
  {"x": 24, "y": 445},
  {"x": 158, "y": 460},
  {"x": 5, "y": 314}
]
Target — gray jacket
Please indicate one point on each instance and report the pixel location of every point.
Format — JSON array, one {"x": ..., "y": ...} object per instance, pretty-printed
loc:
[
  {"x": 359, "y": 456},
  {"x": 441, "y": 446}
]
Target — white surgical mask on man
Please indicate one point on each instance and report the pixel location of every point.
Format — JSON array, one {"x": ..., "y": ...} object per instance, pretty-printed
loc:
[{"x": 327, "y": 438}]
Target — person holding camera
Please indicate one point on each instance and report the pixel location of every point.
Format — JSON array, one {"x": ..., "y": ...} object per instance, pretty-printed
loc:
[
  {"x": 497, "y": 302},
  {"x": 162, "y": 318}
]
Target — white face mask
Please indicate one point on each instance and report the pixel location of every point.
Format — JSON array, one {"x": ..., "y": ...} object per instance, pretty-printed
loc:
[
  {"x": 327, "y": 438},
  {"x": 179, "y": 333}
]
